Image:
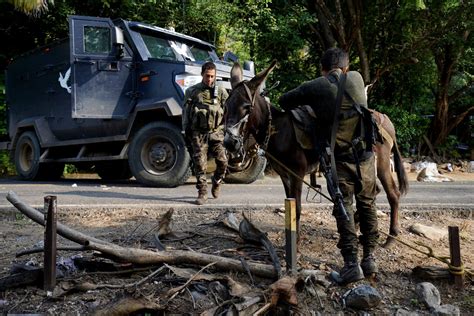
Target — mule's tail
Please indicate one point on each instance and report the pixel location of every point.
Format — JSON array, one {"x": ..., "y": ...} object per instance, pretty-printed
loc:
[{"x": 400, "y": 170}]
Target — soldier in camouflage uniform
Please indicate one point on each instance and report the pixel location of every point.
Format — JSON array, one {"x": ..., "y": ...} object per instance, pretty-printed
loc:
[
  {"x": 204, "y": 129},
  {"x": 354, "y": 159}
]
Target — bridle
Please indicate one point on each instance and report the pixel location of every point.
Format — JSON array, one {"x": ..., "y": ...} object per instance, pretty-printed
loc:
[{"x": 239, "y": 132}]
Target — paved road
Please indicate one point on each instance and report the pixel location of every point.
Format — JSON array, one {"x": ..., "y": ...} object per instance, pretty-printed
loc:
[{"x": 269, "y": 191}]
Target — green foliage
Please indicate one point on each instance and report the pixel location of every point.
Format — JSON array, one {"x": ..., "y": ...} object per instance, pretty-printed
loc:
[
  {"x": 409, "y": 127},
  {"x": 448, "y": 149},
  {"x": 69, "y": 169},
  {"x": 6, "y": 167},
  {"x": 404, "y": 41}
]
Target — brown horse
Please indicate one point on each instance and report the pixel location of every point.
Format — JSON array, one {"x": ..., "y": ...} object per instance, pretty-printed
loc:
[{"x": 251, "y": 122}]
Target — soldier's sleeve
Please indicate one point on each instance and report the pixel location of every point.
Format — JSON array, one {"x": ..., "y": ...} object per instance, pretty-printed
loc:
[
  {"x": 301, "y": 95},
  {"x": 186, "y": 110}
]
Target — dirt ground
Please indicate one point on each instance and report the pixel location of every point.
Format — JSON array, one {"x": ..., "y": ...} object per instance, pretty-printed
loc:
[{"x": 199, "y": 230}]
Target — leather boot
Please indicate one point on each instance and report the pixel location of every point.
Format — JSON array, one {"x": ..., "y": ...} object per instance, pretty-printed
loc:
[
  {"x": 351, "y": 272},
  {"x": 202, "y": 198},
  {"x": 369, "y": 266},
  {"x": 216, "y": 187}
]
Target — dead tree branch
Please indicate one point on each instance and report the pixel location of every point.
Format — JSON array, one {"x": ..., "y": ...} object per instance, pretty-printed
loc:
[{"x": 141, "y": 256}]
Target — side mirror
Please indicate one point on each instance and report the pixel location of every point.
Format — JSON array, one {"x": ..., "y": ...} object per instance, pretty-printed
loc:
[{"x": 119, "y": 43}]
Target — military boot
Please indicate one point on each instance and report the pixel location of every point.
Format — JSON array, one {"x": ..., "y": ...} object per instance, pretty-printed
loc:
[
  {"x": 351, "y": 272},
  {"x": 202, "y": 198},
  {"x": 369, "y": 266},
  {"x": 216, "y": 187}
]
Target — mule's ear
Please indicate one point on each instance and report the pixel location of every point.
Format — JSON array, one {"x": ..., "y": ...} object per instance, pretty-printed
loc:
[
  {"x": 236, "y": 75},
  {"x": 257, "y": 81}
]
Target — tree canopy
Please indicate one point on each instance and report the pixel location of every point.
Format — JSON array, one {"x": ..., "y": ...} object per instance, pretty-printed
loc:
[{"x": 416, "y": 55}]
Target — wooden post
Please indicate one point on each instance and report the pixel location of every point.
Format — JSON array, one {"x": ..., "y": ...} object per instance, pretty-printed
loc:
[
  {"x": 50, "y": 238},
  {"x": 455, "y": 252},
  {"x": 290, "y": 234}
]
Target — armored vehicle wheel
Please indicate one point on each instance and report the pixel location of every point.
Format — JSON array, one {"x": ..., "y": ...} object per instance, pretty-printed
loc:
[
  {"x": 27, "y": 154},
  {"x": 114, "y": 170},
  {"x": 247, "y": 173},
  {"x": 158, "y": 156}
]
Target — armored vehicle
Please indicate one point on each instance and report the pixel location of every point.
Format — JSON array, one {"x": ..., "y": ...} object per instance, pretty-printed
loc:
[{"x": 110, "y": 96}]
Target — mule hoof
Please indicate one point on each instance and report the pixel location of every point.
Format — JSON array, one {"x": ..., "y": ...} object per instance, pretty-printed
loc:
[{"x": 389, "y": 243}]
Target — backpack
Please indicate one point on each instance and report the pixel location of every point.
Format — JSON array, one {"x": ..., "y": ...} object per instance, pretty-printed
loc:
[{"x": 357, "y": 133}]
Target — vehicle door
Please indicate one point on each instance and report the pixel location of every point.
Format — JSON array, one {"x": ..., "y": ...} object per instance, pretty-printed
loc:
[{"x": 101, "y": 69}]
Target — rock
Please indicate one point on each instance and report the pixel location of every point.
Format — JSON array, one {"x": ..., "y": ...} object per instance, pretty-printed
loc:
[
  {"x": 362, "y": 297},
  {"x": 404, "y": 312},
  {"x": 470, "y": 166},
  {"x": 420, "y": 165},
  {"x": 428, "y": 294},
  {"x": 446, "y": 310},
  {"x": 432, "y": 233},
  {"x": 431, "y": 174}
]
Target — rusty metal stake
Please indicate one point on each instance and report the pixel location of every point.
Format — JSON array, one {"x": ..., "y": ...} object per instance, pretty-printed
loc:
[
  {"x": 456, "y": 267},
  {"x": 290, "y": 234},
  {"x": 50, "y": 238}
]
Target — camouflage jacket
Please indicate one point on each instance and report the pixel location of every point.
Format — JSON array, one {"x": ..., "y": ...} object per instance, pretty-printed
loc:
[{"x": 203, "y": 108}]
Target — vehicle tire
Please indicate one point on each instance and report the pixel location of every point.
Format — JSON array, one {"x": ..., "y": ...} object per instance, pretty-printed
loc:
[
  {"x": 158, "y": 156},
  {"x": 248, "y": 173},
  {"x": 113, "y": 170},
  {"x": 27, "y": 155}
]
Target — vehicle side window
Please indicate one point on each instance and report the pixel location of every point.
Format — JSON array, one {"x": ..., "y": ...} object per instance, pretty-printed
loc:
[
  {"x": 97, "y": 40},
  {"x": 158, "y": 47},
  {"x": 200, "y": 54}
]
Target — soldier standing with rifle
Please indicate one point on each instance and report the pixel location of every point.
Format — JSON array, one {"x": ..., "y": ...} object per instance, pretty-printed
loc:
[
  {"x": 203, "y": 126},
  {"x": 345, "y": 148}
]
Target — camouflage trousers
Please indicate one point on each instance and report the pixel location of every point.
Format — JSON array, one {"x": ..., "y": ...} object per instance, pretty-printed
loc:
[
  {"x": 202, "y": 144},
  {"x": 364, "y": 190}
]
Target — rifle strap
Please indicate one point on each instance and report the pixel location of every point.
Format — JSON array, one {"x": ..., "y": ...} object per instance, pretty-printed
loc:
[{"x": 335, "y": 125}]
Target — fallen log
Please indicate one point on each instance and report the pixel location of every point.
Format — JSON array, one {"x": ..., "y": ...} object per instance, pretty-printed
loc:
[
  {"x": 22, "y": 278},
  {"x": 142, "y": 256}
]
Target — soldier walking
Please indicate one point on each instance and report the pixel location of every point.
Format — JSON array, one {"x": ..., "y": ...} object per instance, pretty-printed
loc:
[{"x": 203, "y": 126}]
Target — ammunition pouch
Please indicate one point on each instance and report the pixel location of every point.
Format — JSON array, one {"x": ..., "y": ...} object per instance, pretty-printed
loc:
[
  {"x": 200, "y": 118},
  {"x": 206, "y": 118}
]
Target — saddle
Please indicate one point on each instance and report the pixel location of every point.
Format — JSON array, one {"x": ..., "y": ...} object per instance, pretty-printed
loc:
[
  {"x": 379, "y": 119},
  {"x": 304, "y": 122}
]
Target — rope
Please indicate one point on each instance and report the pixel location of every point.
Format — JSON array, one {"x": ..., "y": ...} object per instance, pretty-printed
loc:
[
  {"x": 296, "y": 176},
  {"x": 430, "y": 253}
]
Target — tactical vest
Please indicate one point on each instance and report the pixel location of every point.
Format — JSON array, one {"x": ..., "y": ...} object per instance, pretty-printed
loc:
[{"x": 207, "y": 110}]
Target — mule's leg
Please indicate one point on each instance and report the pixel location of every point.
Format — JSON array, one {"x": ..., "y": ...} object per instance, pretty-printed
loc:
[
  {"x": 389, "y": 185},
  {"x": 286, "y": 184}
]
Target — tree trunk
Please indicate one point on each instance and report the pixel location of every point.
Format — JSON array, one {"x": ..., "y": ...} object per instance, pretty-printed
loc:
[
  {"x": 445, "y": 60},
  {"x": 355, "y": 13}
]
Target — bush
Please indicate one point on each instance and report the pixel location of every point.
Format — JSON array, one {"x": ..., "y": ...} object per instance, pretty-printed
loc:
[
  {"x": 409, "y": 127},
  {"x": 6, "y": 167}
]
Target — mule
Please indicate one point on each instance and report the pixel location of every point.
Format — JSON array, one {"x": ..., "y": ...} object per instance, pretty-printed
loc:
[{"x": 251, "y": 122}]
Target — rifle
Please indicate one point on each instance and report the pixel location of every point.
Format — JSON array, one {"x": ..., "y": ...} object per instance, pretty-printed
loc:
[{"x": 332, "y": 185}]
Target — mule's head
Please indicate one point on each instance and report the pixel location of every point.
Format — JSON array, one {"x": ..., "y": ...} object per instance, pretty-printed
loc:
[{"x": 243, "y": 99}]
